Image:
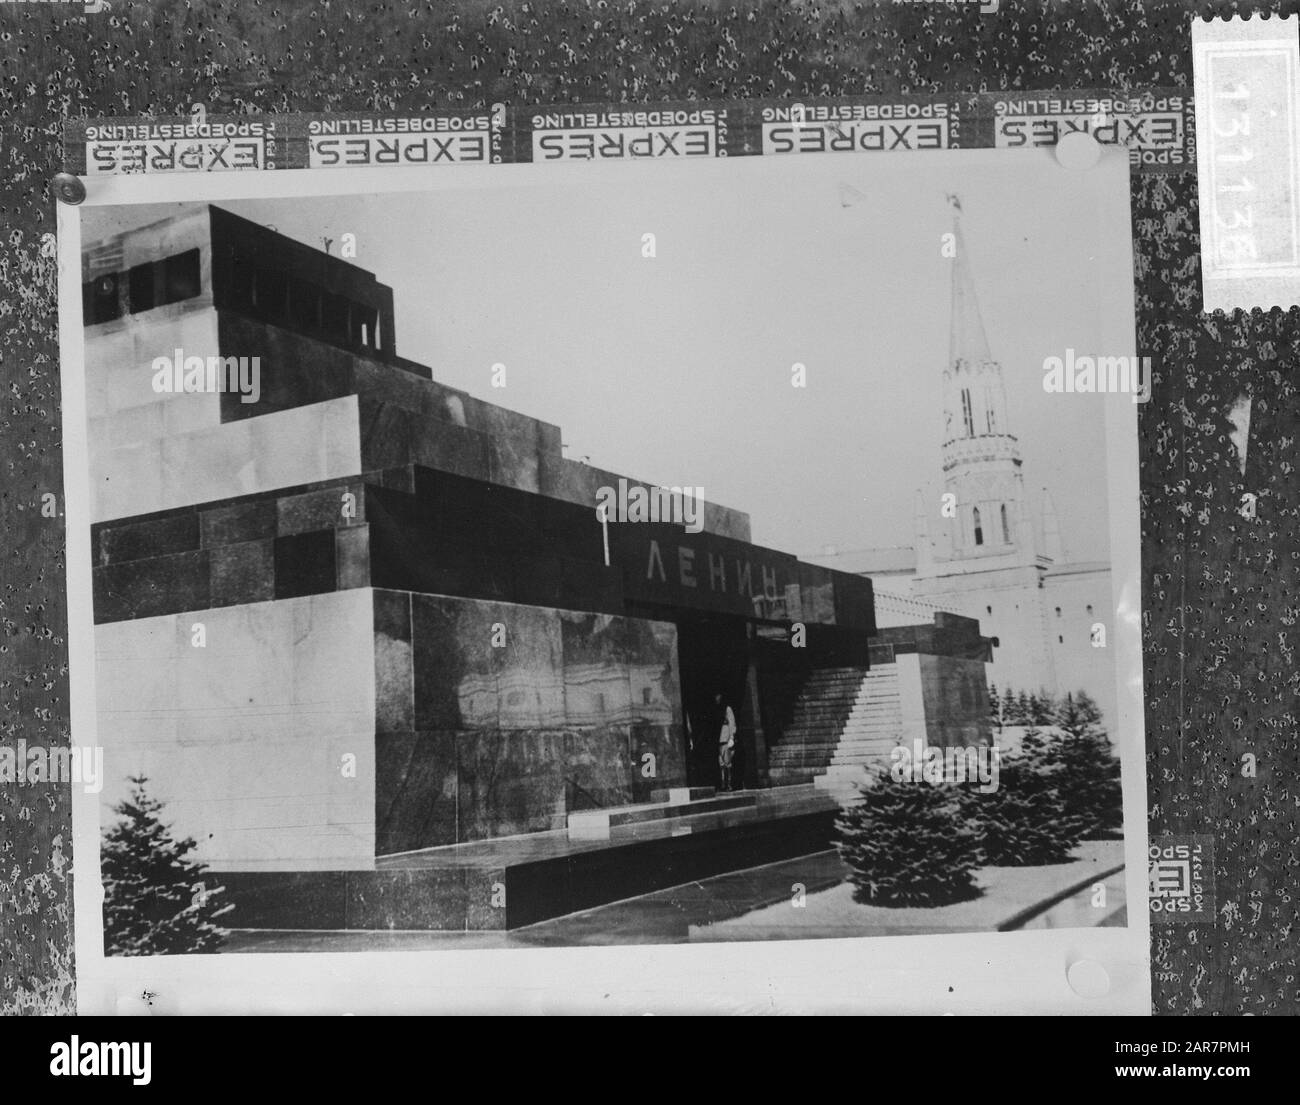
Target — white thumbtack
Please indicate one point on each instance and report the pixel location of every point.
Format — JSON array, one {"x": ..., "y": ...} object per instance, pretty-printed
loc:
[{"x": 1078, "y": 150}]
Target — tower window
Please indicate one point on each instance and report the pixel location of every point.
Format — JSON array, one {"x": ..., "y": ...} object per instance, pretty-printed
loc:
[
  {"x": 1006, "y": 527},
  {"x": 989, "y": 609},
  {"x": 979, "y": 531},
  {"x": 1090, "y": 608},
  {"x": 1058, "y": 611},
  {"x": 967, "y": 417},
  {"x": 990, "y": 416},
  {"x": 1060, "y": 640}
]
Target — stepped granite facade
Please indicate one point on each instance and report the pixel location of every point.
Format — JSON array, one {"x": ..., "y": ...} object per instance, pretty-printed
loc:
[{"x": 367, "y": 614}]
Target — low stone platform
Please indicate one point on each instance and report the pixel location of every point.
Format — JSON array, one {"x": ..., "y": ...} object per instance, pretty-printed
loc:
[
  {"x": 513, "y": 881},
  {"x": 673, "y": 804}
]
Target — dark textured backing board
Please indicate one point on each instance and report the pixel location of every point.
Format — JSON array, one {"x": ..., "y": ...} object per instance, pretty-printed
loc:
[{"x": 1219, "y": 589}]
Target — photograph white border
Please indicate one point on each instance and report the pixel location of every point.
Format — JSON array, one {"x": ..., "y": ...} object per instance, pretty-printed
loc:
[{"x": 1042, "y": 972}]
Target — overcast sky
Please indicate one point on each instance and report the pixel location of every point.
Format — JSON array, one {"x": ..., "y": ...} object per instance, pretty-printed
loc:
[{"x": 677, "y": 370}]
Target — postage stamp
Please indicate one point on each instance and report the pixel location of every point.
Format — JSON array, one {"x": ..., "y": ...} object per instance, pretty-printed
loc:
[{"x": 1245, "y": 73}]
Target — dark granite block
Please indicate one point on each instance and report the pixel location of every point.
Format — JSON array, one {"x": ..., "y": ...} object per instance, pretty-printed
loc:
[
  {"x": 243, "y": 573},
  {"x": 486, "y": 577},
  {"x": 539, "y": 582},
  {"x": 284, "y": 899},
  {"x": 386, "y": 431},
  {"x": 394, "y": 671},
  {"x": 478, "y": 515},
  {"x": 325, "y": 509},
  {"x": 304, "y": 564},
  {"x": 573, "y": 532},
  {"x": 294, "y": 370},
  {"x": 415, "y": 790},
  {"x": 578, "y": 483},
  {"x": 401, "y": 478},
  {"x": 512, "y": 448},
  {"x": 417, "y": 898},
  {"x": 393, "y": 614},
  {"x": 487, "y": 902},
  {"x": 530, "y": 672},
  {"x": 147, "y": 588},
  {"x": 384, "y": 383},
  {"x": 550, "y": 457},
  {"x": 396, "y": 559},
  {"x": 393, "y": 436},
  {"x": 352, "y": 555},
  {"x": 123, "y": 541},
  {"x": 816, "y": 594},
  {"x": 659, "y": 755},
  {"x": 511, "y": 781},
  {"x": 597, "y": 690},
  {"x": 455, "y": 665},
  {"x": 450, "y": 448},
  {"x": 251, "y": 520},
  {"x": 854, "y": 602},
  {"x": 399, "y": 560},
  {"x": 598, "y": 767},
  {"x": 726, "y": 522},
  {"x": 399, "y": 507},
  {"x": 653, "y": 671},
  {"x": 586, "y": 586}
]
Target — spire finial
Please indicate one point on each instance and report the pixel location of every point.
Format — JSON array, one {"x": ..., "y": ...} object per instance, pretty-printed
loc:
[{"x": 967, "y": 342}]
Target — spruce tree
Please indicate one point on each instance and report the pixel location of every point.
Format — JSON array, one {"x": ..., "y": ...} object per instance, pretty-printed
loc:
[
  {"x": 156, "y": 899},
  {"x": 1090, "y": 770},
  {"x": 1028, "y": 821},
  {"x": 1042, "y": 710},
  {"x": 1010, "y": 712},
  {"x": 995, "y": 705},
  {"x": 906, "y": 844},
  {"x": 1022, "y": 708}
]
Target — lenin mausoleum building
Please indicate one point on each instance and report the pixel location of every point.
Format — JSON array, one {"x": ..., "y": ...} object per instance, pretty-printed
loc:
[{"x": 374, "y": 649}]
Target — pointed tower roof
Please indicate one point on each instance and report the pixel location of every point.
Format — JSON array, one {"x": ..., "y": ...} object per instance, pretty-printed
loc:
[{"x": 966, "y": 337}]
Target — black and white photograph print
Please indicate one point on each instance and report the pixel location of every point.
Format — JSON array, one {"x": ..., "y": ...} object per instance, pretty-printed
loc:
[{"x": 734, "y": 551}]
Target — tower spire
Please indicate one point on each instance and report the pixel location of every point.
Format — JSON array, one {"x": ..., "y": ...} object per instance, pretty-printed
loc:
[
  {"x": 981, "y": 459},
  {"x": 967, "y": 341}
]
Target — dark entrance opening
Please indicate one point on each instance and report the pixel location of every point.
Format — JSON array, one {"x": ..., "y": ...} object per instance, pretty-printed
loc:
[{"x": 713, "y": 659}]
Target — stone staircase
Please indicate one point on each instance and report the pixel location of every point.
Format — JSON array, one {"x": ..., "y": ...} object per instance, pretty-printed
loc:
[{"x": 843, "y": 719}]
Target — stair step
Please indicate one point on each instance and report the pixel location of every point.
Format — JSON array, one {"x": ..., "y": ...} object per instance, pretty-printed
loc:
[
  {"x": 676, "y": 796},
  {"x": 598, "y": 823},
  {"x": 842, "y": 721}
]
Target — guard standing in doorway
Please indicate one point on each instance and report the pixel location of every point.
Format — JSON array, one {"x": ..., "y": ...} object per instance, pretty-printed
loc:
[{"x": 726, "y": 740}]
